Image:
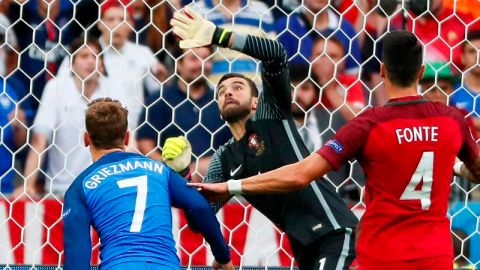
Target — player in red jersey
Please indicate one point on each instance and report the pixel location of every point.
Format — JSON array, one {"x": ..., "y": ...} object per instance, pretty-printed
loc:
[{"x": 407, "y": 149}]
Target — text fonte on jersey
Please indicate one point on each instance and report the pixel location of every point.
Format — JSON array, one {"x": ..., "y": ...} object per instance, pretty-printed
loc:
[{"x": 417, "y": 134}]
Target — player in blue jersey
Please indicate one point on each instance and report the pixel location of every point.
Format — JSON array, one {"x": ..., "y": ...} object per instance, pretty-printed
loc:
[{"x": 127, "y": 198}]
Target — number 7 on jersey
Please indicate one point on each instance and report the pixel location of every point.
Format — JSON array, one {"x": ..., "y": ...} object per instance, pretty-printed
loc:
[{"x": 141, "y": 201}]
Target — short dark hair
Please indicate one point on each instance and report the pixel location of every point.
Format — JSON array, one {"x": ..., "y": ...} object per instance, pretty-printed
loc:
[
  {"x": 332, "y": 38},
  {"x": 106, "y": 122},
  {"x": 402, "y": 56},
  {"x": 81, "y": 41},
  {"x": 471, "y": 36},
  {"x": 251, "y": 83},
  {"x": 299, "y": 73}
]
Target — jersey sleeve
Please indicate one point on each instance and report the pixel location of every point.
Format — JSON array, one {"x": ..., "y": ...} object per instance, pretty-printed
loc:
[
  {"x": 200, "y": 213},
  {"x": 214, "y": 175},
  {"x": 349, "y": 140},
  {"x": 469, "y": 149},
  {"x": 276, "y": 99},
  {"x": 76, "y": 229}
]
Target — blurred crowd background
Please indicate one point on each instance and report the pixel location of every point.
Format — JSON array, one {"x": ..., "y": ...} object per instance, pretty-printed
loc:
[{"x": 56, "y": 55}]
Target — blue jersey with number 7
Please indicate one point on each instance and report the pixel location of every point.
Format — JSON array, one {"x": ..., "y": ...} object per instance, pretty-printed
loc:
[{"x": 127, "y": 198}]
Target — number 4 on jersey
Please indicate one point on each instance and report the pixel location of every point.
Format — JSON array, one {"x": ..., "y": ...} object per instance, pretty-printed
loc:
[{"x": 424, "y": 171}]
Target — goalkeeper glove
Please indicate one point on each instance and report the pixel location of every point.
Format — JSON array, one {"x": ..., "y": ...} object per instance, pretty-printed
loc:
[
  {"x": 196, "y": 31},
  {"x": 177, "y": 153}
]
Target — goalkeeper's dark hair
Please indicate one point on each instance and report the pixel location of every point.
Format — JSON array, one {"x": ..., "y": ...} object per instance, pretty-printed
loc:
[
  {"x": 402, "y": 56},
  {"x": 251, "y": 83},
  {"x": 106, "y": 122}
]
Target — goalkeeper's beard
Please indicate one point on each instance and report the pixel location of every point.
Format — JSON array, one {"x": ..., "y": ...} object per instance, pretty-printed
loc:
[{"x": 233, "y": 114}]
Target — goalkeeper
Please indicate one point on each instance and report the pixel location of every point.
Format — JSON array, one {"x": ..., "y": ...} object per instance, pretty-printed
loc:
[{"x": 318, "y": 224}]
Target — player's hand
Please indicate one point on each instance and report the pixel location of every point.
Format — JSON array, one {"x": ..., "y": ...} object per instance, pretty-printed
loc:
[
  {"x": 194, "y": 30},
  {"x": 227, "y": 266},
  {"x": 217, "y": 192},
  {"x": 177, "y": 153}
]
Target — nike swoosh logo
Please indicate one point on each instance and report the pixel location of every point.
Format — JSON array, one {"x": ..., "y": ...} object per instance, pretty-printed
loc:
[{"x": 233, "y": 172}]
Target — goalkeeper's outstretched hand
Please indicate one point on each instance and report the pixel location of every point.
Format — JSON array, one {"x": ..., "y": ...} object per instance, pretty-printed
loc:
[
  {"x": 194, "y": 30},
  {"x": 177, "y": 153}
]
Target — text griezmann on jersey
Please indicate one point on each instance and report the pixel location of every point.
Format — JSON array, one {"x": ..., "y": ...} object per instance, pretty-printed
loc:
[{"x": 121, "y": 167}]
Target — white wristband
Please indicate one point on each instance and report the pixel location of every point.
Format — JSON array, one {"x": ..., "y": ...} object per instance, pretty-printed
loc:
[
  {"x": 234, "y": 187},
  {"x": 456, "y": 167}
]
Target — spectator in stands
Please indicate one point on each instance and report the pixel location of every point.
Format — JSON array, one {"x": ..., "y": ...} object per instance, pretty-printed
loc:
[
  {"x": 13, "y": 134},
  {"x": 442, "y": 30},
  {"x": 248, "y": 17},
  {"x": 282, "y": 7},
  {"x": 437, "y": 84},
  {"x": 297, "y": 32},
  {"x": 305, "y": 94},
  {"x": 467, "y": 92},
  {"x": 342, "y": 97},
  {"x": 341, "y": 91},
  {"x": 140, "y": 19},
  {"x": 461, "y": 250},
  {"x": 161, "y": 16},
  {"x": 186, "y": 107},
  {"x": 60, "y": 120},
  {"x": 152, "y": 30},
  {"x": 370, "y": 22},
  {"x": 471, "y": 7},
  {"x": 46, "y": 31},
  {"x": 10, "y": 56},
  {"x": 133, "y": 66}
]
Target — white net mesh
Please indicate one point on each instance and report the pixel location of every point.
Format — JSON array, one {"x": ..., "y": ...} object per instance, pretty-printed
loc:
[{"x": 49, "y": 75}]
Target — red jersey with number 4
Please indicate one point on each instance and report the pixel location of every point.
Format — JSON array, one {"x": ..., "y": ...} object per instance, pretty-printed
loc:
[{"x": 407, "y": 149}]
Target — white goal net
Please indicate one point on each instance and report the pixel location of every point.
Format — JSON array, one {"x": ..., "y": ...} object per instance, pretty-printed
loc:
[{"x": 57, "y": 55}]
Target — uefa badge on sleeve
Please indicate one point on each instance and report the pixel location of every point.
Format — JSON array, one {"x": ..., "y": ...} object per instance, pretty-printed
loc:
[{"x": 335, "y": 145}]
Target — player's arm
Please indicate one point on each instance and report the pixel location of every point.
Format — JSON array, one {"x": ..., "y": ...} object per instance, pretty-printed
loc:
[
  {"x": 32, "y": 164},
  {"x": 468, "y": 154},
  {"x": 76, "y": 230},
  {"x": 198, "y": 209},
  {"x": 284, "y": 179},
  {"x": 470, "y": 170},
  {"x": 290, "y": 177},
  {"x": 197, "y": 32},
  {"x": 348, "y": 142}
]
